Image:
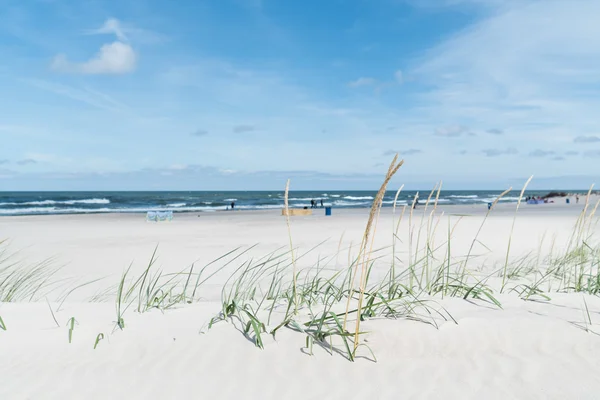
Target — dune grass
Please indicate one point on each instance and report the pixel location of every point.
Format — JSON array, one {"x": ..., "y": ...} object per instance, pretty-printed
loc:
[
  {"x": 20, "y": 281},
  {"x": 322, "y": 300},
  {"x": 324, "y": 303},
  {"x": 71, "y": 324},
  {"x": 99, "y": 337}
]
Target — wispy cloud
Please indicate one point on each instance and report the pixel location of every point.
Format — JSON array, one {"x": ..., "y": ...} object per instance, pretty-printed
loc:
[
  {"x": 452, "y": 131},
  {"x": 7, "y": 174},
  {"x": 363, "y": 81},
  {"x": 399, "y": 76},
  {"x": 243, "y": 128},
  {"x": 541, "y": 153},
  {"x": 571, "y": 153},
  {"x": 84, "y": 95},
  {"x": 592, "y": 153},
  {"x": 515, "y": 67},
  {"x": 500, "y": 152},
  {"x": 27, "y": 161},
  {"x": 2, "y": 162},
  {"x": 127, "y": 33},
  {"x": 495, "y": 131},
  {"x": 200, "y": 132},
  {"x": 110, "y": 26},
  {"x": 587, "y": 139},
  {"x": 407, "y": 152}
]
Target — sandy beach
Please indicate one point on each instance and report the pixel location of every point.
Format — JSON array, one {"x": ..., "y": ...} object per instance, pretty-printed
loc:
[
  {"x": 88, "y": 247},
  {"x": 296, "y": 200},
  {"x": 546, "y": 348}
]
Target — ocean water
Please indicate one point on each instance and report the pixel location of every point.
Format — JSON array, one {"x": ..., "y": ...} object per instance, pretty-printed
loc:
[{"x": 35, "y": 203}]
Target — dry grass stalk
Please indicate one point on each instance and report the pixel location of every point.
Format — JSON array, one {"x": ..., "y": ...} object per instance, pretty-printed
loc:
[
  {"x": 287, "y": 220},
  {"x": 395, "y": 233},
  {"x": 422, "y": 219},
  {"x": 364, "y": 255},
  {"x": 337, "y": 257},
  {"x": 396, "y": 199},
  {"x": 592, "y": 214},
  {"x": 410, "y": 237},
  {"x": 512, "y": 228},
  {"x": 365, "y": 238},
  {"x": 431, "y": 239},
  {"x": 587, "y": 204}
]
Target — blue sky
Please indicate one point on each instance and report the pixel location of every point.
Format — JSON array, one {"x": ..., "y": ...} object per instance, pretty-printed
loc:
[{"x": 241, "y": 94}]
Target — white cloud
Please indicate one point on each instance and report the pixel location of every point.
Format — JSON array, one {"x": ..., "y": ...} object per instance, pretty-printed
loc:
[
  {"x": 362, "y": 81},
  {"x": 113, "y": 58},
  {"x": 111, "y": 26}
]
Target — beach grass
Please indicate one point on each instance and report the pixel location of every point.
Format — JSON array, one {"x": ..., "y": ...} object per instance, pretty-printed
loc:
[
  {"x": 280, "y": 290},
  {"x": 20, "y": 281},
  {"x": 99, "y": 337},
  {"x": 71, "y": 324}
]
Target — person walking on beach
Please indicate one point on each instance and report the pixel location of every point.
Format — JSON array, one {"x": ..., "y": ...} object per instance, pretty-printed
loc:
[
  {"x": 312, "y": 204},
  {"x": 321, "y": 203},
  {"x": 577, "y": 198},
  {"x": 232, "y": 205}
]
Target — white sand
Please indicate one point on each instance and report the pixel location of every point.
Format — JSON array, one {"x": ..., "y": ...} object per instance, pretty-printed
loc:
[{"x": 525, "y": 350}]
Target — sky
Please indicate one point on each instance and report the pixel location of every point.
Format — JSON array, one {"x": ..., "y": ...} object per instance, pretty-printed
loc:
[{"x": 244, "y": 94}]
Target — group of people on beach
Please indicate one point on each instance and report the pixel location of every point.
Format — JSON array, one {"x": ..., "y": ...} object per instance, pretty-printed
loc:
[
  {"x": 314, "y": 203},
  {"x": 539, "y": 198},
  {"x": 533, "y": 198}
]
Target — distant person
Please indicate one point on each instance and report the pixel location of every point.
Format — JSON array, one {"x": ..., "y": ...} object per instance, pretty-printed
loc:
[
  {"x": 415, "y": 204},
  {"x": 577, "y": 198},
  {"x": 232, "y": 205},
  {"x": 312, "y": 204},
  {"x": 321, "y": 203}
]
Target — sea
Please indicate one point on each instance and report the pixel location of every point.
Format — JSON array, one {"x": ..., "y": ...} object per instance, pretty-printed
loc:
[{"x": 40, "y": 203}]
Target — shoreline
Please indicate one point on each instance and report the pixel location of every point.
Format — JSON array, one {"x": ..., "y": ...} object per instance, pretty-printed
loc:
[
  {"x": 558, "y": 203},
  {"x": 71, "y": 203}
]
